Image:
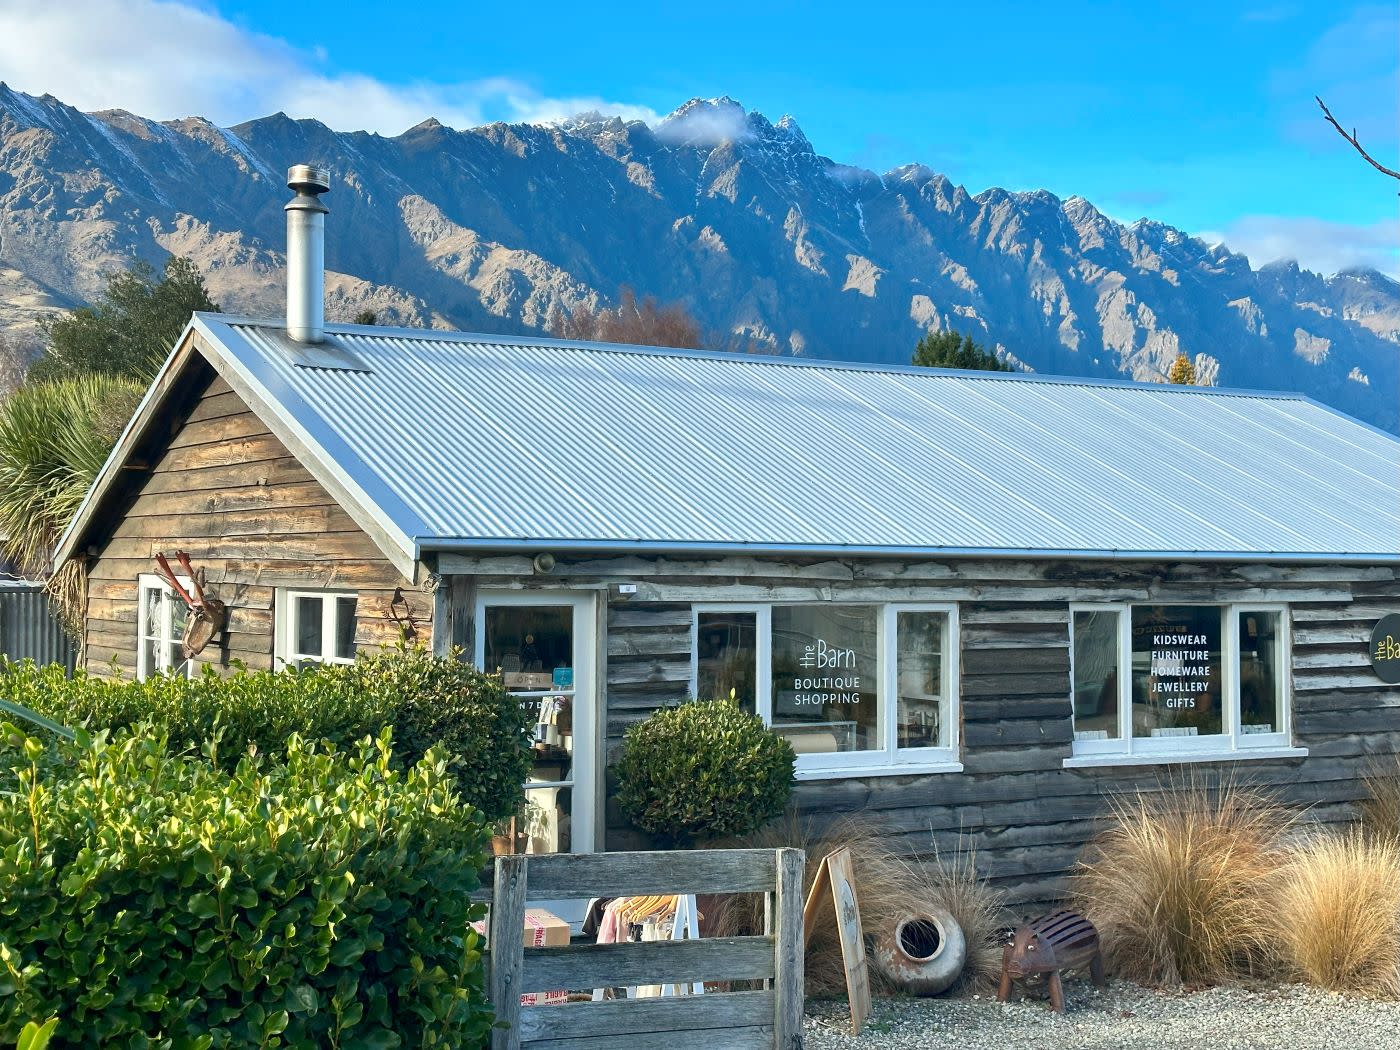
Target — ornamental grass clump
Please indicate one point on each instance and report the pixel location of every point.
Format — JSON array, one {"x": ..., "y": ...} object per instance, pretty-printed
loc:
[
  {"x": 1179, "y": 884},
  {"x": 1338, "y": 913},
  {"x": 703, "y": 770},
  {"x": 1379, "y": 810},
  {"x": 888, "y": 886},
  {"x": 320, "y": 899}
]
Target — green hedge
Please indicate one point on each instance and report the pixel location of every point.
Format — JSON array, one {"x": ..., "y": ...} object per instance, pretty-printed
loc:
[
  {"x": 318, "y": 900},
  {"x": 426, "y": 700},
  {"x": 703, "y": 770}
]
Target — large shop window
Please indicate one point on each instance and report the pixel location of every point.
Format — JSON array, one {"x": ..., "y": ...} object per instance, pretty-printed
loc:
[
  {"x": 854, "y": 688},
  {"x": 161, "y": 630},
  {"x": 1168, "y": 680},
  {"x": 315, "y": 627}
]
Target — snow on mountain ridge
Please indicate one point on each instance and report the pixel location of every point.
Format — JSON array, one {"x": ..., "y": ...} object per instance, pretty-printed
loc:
[{"x": 503, "y": 226}]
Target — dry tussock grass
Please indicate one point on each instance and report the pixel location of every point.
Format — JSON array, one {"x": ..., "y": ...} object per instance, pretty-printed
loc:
[
  {"x": 1179, "y": 883},
  {"x": 1338, "y": 913},
  {"x": 1380, "y": 809},
  {"x": 887, "y": 886}
]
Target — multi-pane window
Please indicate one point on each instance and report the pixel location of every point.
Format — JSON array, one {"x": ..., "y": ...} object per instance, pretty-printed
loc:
[
  {"x": 161, "y": 629},
  {"x": 1162, "y": 679},
  {"x": 315, "y": 627},
  {"x": 851, "y": 686}
]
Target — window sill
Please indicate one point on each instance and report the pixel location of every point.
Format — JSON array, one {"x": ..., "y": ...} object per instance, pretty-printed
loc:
[
  {"x": 1166, "y": 758},
  {"x": 851, "y": 772}
]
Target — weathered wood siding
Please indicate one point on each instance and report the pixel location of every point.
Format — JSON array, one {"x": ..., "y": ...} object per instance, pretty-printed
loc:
[
  {"x": 1026, "y": 816},
  {"x": 227, "y": 491}
]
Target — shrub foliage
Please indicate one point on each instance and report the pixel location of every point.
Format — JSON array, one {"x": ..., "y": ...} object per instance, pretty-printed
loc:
[
  {"x": 425, "y": 699},
  {"x": 153, "y": 899},
  {"x": 449, "y": 703},
  {"x": 703, "y": 770}
]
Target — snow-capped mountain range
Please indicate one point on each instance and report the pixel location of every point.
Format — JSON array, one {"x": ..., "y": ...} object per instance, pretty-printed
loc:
[{"x": 495, "y": 228}]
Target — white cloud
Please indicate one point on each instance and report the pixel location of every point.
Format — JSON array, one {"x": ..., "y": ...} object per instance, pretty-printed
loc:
[
  {"x": 167, "y": 59},
  {"x": 706, "y": 122},
  {"x": 1315, "y": 244}
]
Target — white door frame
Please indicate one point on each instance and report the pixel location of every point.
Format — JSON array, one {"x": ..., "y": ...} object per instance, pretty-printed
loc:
[{"x": 587, "y": 738}]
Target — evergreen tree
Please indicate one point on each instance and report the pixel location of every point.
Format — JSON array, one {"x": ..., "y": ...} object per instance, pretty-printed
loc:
[
  {"x": 1183, "y": 372},
  {"x": 130, "y": 329},
  {"x": 366, "y": 317},
  {"x": 951, "y": 350}
]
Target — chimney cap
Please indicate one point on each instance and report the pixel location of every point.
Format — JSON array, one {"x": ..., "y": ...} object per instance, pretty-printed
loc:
[{"x": 308, "y": 178}]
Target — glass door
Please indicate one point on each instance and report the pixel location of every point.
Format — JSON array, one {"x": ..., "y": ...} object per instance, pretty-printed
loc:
[{"x": 542, "y": 647}]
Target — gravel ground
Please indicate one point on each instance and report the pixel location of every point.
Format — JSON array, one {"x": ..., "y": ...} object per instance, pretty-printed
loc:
[{"x": 1295, "y": 1017}]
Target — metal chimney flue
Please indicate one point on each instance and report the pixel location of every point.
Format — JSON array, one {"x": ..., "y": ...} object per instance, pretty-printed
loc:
[{"x": 306, "y": 253}]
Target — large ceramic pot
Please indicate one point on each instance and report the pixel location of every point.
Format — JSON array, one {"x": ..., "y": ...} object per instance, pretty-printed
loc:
[{"x": 922, "y": 953}]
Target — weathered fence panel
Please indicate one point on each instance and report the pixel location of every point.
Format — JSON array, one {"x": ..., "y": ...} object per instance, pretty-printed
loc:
[{"x": 768, "y": 1018}]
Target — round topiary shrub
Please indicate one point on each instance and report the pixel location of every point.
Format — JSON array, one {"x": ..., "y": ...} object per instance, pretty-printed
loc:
[{"x": 703, "y": 770}]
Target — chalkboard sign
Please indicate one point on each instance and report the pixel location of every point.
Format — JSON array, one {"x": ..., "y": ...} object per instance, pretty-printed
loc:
[{"x": 1385, "y": 649}]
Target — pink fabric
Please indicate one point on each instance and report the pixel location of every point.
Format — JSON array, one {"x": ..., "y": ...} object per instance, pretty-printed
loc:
[{"x": 608, "y": 928}]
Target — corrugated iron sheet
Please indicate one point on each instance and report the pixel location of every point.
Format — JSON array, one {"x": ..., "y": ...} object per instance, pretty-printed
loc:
[
  {"x": 478, "y": 441},
  {"x": 28, "y": 629}
]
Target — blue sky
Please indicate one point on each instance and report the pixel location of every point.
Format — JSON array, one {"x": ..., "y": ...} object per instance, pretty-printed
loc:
[{"x": 1197, "y": 114}]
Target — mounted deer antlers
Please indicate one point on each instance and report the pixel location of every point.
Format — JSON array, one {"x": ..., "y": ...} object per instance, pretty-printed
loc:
[{"x": 208, "y": 616}]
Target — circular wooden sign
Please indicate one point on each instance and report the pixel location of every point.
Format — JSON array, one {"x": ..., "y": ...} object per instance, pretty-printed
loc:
[{"x": 1385, "y": 649}]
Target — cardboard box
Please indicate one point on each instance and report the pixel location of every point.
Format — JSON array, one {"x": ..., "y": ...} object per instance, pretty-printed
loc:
[{"x": 543, "y": 929}]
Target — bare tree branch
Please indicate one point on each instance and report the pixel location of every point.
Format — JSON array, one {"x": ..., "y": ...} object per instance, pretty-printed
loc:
[{"x": 1352, "y": 139}]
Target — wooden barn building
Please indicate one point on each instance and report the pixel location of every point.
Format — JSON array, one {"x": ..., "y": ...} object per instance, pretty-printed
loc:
[{"x": 978, "y": 604}]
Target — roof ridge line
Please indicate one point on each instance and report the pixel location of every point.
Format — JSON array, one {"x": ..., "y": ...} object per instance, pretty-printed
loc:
[{"x": 772, "y": 360}]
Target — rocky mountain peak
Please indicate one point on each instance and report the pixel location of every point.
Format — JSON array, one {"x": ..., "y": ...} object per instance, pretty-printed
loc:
[{"x": 499, "y": 228}]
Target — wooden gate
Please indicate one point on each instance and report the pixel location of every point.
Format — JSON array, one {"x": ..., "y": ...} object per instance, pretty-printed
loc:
[{"x": 766, "y": 1018}]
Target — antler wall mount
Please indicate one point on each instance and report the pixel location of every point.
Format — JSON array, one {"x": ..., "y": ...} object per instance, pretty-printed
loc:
[{"x": 208, "y": 616}]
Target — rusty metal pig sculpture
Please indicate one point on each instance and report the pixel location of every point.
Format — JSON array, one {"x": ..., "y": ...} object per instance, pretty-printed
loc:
[{"x": 1062, "y": 940}]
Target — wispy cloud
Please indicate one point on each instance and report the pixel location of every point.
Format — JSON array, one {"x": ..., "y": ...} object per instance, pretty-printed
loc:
[
  {"x": 705, "y": 122},
  {"x": 1272, "y": 13},
  {"x": 1315, "y": 244},
  {"x": 1352, "y": 66},
  {"x": 166, "y": 59}
]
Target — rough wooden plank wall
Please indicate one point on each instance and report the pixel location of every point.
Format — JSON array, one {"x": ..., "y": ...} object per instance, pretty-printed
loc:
[
  {"x": 1025, "y": 815},
  {"x": 254, "y": 519}
]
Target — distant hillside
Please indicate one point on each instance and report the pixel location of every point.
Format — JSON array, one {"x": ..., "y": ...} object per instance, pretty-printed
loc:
[{"x": 496, "y": 227}]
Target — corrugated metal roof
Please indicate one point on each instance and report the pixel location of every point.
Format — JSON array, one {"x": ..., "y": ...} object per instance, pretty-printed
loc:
[{"x": 460, "y": 440}]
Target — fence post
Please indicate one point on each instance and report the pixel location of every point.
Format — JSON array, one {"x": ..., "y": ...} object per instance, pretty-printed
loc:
[
  {"x": 788, "y": 951},
  {"x": 506, "y": 942}
]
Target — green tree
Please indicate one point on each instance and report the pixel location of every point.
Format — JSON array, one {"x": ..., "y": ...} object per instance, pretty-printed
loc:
[
  {"x": 366, "y": 317},
  {"x": 951, "y": 350},
  {"x": 130, "y": 329},
  {"x": 1183, "y": 372}
]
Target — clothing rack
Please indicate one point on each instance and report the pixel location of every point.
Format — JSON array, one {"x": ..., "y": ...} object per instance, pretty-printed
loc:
[{"x": 681, "y": 909}]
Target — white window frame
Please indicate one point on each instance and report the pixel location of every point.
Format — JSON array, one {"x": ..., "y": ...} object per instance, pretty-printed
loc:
[
  {"x": 149, "y": 581},
  {"x": 284, "y": 629},
  {"x": 1231, "y": 743},
  {"x": 890, "y": 759}
]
